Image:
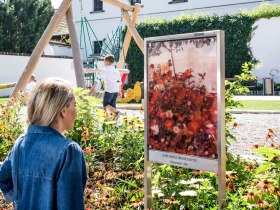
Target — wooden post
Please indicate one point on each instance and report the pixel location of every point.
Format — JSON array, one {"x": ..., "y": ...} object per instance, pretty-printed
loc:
[
  {"x": 120, "y": 5},
  {"x": 131, "y": 27},
  {"x": 77, "y": 58},
  {"x": 128, "y": 37},
  {"x": 41, "y": 45}
]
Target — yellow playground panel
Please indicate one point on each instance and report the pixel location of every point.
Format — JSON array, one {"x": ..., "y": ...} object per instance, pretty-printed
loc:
[
  {"x": 132, "y": 94},
  {"x": 8, "y": 85}
]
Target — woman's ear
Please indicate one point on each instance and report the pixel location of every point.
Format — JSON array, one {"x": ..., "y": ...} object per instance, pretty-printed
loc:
[{"x": 63, "y": 112}]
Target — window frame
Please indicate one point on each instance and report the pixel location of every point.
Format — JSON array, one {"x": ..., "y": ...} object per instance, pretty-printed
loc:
[
  {"x": 133, "y": 2},
  {"x": 97, "y": 6},
  {"x": 96, "y": 47}
]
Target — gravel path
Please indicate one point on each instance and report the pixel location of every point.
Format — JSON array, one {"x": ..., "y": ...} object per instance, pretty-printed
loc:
[{"x": 252, "y": 129}]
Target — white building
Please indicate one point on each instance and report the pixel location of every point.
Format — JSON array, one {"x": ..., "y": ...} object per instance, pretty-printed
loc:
[
  {"x": 58, "y": 49},
  {"x": 105, "y": 18}
]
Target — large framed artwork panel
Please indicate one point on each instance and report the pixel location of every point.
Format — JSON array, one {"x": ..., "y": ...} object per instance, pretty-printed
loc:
[{"x": 184, "y": 101}]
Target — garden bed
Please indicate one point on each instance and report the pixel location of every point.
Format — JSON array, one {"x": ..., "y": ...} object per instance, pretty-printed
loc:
[{"x": 114, "y": 154}]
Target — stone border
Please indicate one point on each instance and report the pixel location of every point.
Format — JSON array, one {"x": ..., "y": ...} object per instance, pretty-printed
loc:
[
  {"x": 128, "y": 107},
  {"x": 237, "y": 111}
]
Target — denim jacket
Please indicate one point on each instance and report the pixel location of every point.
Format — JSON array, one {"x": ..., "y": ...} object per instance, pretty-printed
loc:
[{"x": 51, "y": 172}]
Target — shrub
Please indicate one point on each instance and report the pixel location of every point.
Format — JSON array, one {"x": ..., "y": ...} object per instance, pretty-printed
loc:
[
  {"x": 11, "y": 127},
  {"x": 112, "y": 142}
]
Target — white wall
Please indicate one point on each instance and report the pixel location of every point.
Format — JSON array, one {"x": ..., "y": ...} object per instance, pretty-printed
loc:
[
  {"x": 58, "y": 50},
  {"x": 266, "y": 47},
  {"x": 11, "y": 68}
]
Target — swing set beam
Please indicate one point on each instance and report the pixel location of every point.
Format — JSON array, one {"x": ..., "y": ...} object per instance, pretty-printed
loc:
[
  {"x": 128, "y": 37},
  {"x": 65, "y": 9}
]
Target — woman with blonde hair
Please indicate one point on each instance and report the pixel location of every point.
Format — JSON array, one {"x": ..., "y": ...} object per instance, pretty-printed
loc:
[{"x": 44, "y": 170}]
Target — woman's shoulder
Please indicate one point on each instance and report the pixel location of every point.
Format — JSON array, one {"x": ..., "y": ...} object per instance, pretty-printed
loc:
[
  {"x": 68, "y": 143},
  {"x": 52, "y": 142},
  {"x": 73, "y": 145}
]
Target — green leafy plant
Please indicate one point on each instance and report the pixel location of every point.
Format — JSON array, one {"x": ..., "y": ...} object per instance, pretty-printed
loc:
[
  {"x": 11, "y": 127},
  {"x": 114, "y": 153}
]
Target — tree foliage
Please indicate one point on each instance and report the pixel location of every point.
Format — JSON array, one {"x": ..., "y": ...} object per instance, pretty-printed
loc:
[
  {"x": 239, "y": 29},
  {"x": 22, "y": 23}
]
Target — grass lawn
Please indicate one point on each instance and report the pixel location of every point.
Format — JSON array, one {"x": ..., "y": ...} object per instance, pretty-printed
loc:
[
  {"x": 260, "y": 105},
  {"x": 3, "y": 100}
]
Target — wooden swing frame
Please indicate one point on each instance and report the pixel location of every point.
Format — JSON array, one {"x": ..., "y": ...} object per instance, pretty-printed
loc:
[{"x": 65, "y": 9}]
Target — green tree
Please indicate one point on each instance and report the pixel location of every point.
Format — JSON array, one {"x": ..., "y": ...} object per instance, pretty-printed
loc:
[
  {"x": 7, "y": 31},
  {"x": 22, "y": 23}
]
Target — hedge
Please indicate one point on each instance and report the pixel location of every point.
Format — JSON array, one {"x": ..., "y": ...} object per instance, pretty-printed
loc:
[{"x": 238, "y": 29}]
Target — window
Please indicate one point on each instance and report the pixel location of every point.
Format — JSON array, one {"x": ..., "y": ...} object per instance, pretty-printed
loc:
[
  {"x": 97, "y": 47},
  {"x": 133, "y": 2},
  {"x": 97, "y": 5},
  {"x": 177, "y": 1}
]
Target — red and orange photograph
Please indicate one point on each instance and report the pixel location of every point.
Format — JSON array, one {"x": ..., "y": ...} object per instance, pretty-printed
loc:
[{"x": 182, "y": 96}]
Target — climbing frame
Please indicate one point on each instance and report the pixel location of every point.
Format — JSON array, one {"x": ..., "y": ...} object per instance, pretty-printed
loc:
[{"x": 130, "y": 22}]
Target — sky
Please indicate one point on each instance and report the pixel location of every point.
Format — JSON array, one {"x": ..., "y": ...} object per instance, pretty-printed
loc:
[{"x": 56, "y": 3}]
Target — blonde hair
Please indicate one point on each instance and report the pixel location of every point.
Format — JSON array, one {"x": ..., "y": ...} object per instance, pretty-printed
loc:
[{"x": 47, "y": 99}]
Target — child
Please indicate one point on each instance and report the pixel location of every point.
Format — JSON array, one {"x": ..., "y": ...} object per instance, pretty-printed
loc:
[{"x": 112, "y": 80}]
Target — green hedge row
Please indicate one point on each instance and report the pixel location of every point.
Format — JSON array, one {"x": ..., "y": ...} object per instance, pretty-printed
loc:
[{"x": 238, "y": 28}]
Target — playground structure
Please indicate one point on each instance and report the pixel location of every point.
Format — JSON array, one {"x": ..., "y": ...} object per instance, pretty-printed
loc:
[
  {"x": 8, "y": 85},
  {"x": 65, "y": 9}
]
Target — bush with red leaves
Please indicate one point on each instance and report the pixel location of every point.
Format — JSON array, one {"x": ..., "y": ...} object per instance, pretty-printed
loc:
[{"x": 182, "y": 113}]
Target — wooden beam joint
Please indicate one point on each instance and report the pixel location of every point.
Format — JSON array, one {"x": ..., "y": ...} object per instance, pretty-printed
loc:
[{"x": 131, "y": 27}]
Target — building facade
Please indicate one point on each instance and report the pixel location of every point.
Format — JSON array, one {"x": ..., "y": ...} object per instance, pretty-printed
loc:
[{"x": 105, "y": 18}]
